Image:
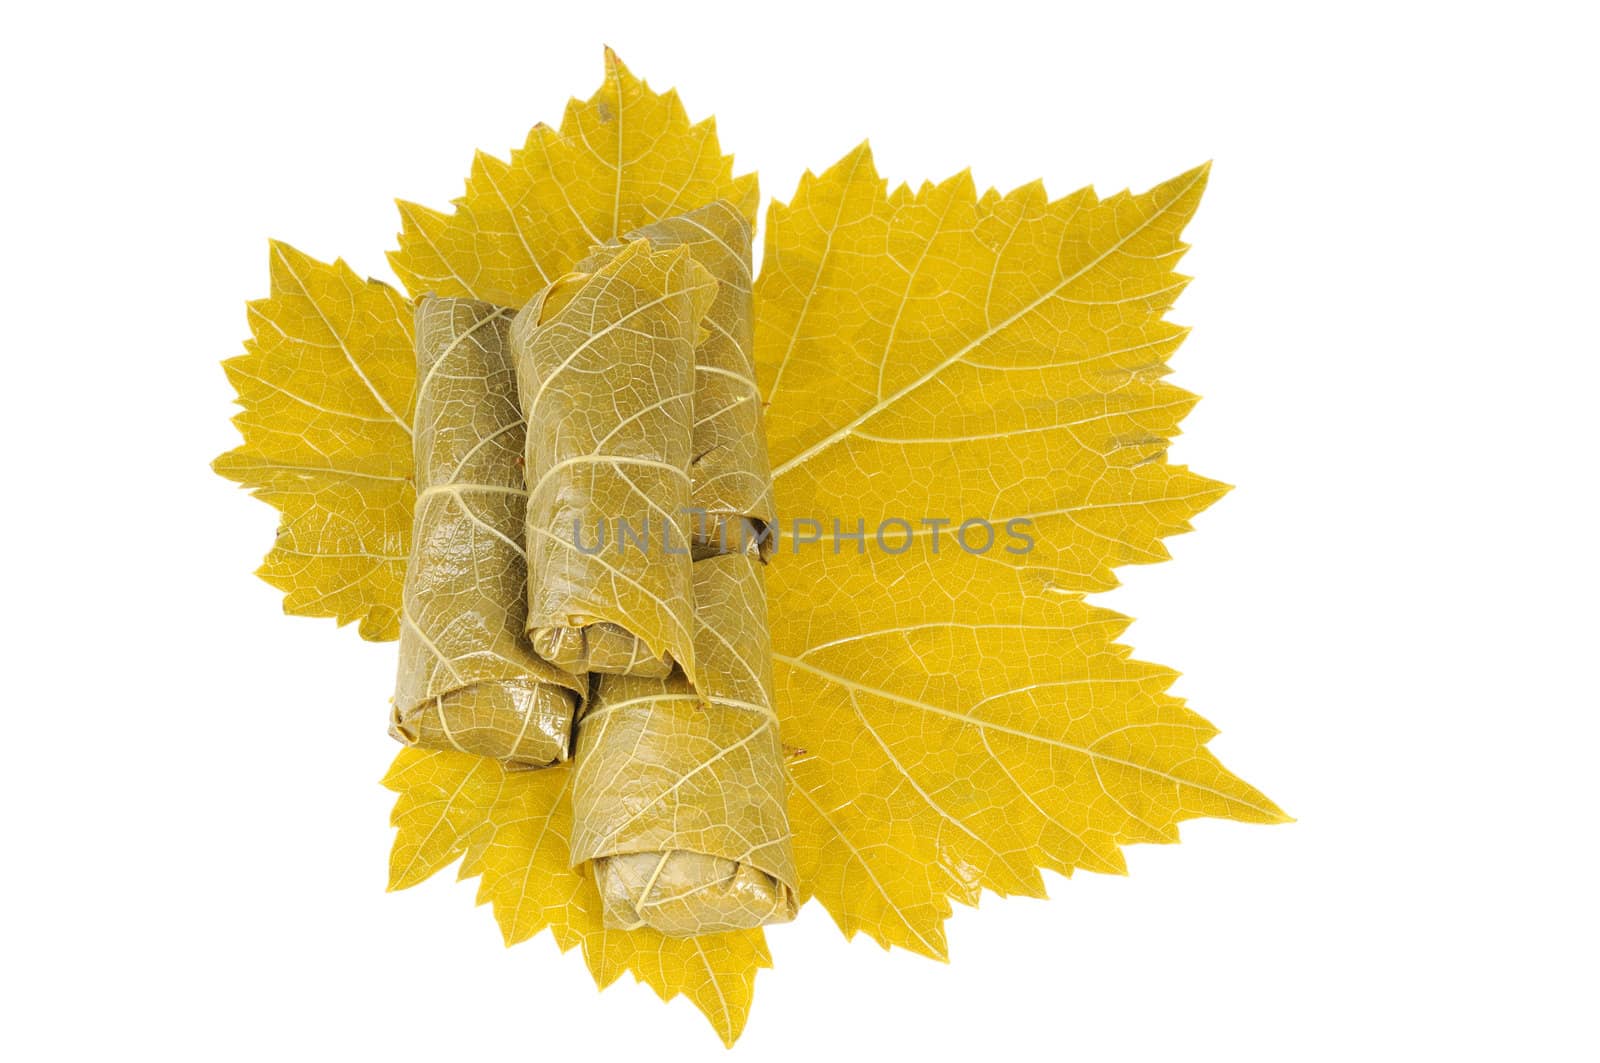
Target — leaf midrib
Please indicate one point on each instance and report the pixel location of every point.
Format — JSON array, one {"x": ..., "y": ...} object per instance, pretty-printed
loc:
[
  {"x": 990, "y": 333},
  {"x": 961, "y": 717}
]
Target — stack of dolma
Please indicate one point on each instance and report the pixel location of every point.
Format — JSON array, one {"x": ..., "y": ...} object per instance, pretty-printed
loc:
[{"x": 594, "y": 513}]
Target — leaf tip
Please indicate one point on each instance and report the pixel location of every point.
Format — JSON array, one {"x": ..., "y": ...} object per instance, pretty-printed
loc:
[
  {"x": 616, "y": 69},
  {"x": 858, "y": 160},
  {"x": 1192, "y": 181}
]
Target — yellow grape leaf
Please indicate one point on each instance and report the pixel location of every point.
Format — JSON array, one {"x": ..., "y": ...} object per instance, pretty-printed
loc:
[
  {"x": 962, "y": 719},
  {"x": 956, "y": 721},
  {"x": 511, "y": 829},
  {"x": 325, "y": 382},
  {"x": 626, "y": 158}
]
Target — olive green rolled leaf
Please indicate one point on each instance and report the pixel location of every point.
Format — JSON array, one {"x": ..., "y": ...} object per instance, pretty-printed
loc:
[
  {"x": 678, "y": 791},
  {"x": 605, "y": 373},
  {"x": 468, "y": 680},
  {"x": 730, "y": 480}
]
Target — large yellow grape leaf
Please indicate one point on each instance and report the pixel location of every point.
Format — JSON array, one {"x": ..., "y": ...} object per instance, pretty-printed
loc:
[
  {"x": 955, "y": 722},
  {"x": 325, "y": 382},
  {"x": 511, "y": 830},
  {"x": 962, "y": 719},
  {"x": 625, "y": 158}
]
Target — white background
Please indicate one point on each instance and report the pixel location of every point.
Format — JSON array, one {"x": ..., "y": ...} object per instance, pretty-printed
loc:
[{"x": 1391, "y": 619}]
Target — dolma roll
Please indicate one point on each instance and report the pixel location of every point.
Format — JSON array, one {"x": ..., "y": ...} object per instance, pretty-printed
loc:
[
  {"x": 468, "y": 679},
  {"x": 605, "y": 372},
  {"x": 678, "y": 792},
  {"x": 730, "y": 482}
]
